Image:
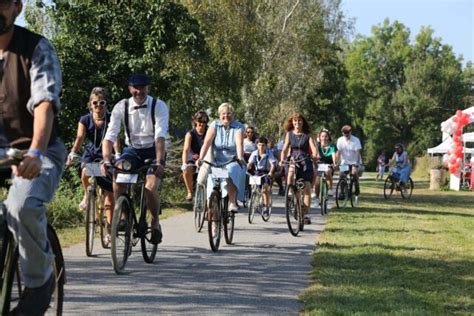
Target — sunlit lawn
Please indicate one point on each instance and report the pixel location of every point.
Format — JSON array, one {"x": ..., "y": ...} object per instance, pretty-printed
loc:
[{"x": 396, "y": 256}]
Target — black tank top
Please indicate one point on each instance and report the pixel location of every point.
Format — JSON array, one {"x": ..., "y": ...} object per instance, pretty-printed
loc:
[
  {"x": 299, "y": 145},
  {"x": 197, "y": 141}
]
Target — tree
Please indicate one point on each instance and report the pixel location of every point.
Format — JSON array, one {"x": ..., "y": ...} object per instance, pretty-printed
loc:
[{"x": 401, "y": 92}]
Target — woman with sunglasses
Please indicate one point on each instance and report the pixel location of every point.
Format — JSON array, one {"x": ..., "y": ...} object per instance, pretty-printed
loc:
[
  {"x": 250, "y": 144},
  {"x": 193, "y": 141},
  {"x": 93, "y": 127}
]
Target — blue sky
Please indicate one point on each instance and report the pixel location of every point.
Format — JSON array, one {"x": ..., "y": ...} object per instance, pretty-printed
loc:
[{"x": 451, "y": 20}]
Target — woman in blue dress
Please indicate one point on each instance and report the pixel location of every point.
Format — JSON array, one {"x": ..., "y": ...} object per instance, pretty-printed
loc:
[
  {"x": 226, "y": 137},
  {"x": 93, "y": 127}
]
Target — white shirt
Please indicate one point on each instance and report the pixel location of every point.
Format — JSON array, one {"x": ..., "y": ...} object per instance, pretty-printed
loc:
[
  {"x": 249, "y": 146},
  {"x": 139, "y": 123},
  {"x": 349, "y": 149}
]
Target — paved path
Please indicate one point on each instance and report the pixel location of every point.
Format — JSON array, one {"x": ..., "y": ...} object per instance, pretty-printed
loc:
[{"x": 261, "y": 273}]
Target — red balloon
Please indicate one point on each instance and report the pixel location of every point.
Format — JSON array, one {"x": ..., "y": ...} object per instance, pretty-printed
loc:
[
  {"x": 458, "y": 113},
  {"x": 458, "y": 132},
  {"x": 459, "y": 154},
  {"x": 455, "y": 119}
]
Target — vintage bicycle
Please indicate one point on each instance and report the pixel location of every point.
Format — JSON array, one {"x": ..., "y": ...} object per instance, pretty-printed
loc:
[
  {"x": 12, "y": 286},
  {"x": 131, "y": 225},
  {"x": 345, "y": 189},
  {"x": 392, "y": 183},
  {"x": 219, "y": 218},
  {"x": 322, "y": 169},
  {"x": 256, "y": 198}
]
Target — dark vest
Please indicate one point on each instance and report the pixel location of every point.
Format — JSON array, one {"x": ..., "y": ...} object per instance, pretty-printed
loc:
[{"x": 15, "y": 120}]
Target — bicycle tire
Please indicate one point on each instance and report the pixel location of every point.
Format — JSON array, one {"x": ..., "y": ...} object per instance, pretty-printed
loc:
[
  {"x": 90, "y": 220},
  {"x": 214, "y": 221},
  {"x": 341, "y": 189},
  {"x": 388, "y": 187},
  {"x": 229, "y": 221},
  {"x": 407, "y": 191},
  {"x": 323, "y": 196},
  {"x": 199, "y": 207},
  {"x": 300, "y": 208},
  {"x": 144, "y": 231},
  {"x": 121, "y": 242},
  {"x": 293, "y": 214},
  {"x": 252, "y": 206},
  {"x": 13, "y": 282},
  {"x": 354, "y": 197},
  {"x": 102, "y": 222}
]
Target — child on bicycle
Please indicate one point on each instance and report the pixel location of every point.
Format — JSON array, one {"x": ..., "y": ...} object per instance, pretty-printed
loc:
[{"x": 263, "y": 161}]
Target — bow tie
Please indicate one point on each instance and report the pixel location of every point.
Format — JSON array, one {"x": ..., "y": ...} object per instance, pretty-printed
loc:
[{"x": 143, "y": 106}]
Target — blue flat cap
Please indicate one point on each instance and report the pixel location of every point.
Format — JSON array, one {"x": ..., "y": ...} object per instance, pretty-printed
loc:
[{"x": 138, "y": 80}]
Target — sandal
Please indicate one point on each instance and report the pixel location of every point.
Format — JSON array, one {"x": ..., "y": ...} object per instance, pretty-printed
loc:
[
  {"x": 83, "y": 205},
  {"x": 189, "y": 197}
]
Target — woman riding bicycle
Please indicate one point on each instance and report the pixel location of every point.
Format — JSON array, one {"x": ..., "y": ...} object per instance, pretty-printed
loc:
[
  {"x": 299, "y": 142},
  {"x": 402, "y": 164},
  {"x": 263, "y": 161},
  {"x": 93, "y": 127},
  {"x": 225, "y": 136},
  {"x": 327, "y": 154},
  {"x": 249, "y": 142},
  {"x": 192, "y": 147}
]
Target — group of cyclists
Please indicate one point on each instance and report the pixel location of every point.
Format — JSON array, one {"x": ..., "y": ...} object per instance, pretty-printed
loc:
[
  {"x": 30, "y": 100},
  {"x": 256, "y": 153}
]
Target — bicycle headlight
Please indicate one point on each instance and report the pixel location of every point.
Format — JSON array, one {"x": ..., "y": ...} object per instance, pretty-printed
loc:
[{"x": 126, "y": 165}]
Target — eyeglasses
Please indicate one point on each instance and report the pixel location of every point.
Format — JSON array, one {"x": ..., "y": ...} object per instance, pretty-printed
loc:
[
  {"x": 99, "y": 102},
  {"x": 249, "y": 132},
  {"x": 4, "y": 4}
]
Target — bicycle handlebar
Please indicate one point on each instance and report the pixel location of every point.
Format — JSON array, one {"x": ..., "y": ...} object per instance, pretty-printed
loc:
[
  {"x": 12, "y": 157},
  {"x": 234, "y": 159}
]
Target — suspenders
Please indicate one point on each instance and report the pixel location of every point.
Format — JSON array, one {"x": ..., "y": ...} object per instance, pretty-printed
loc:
[{"x": 125, "y": 118}]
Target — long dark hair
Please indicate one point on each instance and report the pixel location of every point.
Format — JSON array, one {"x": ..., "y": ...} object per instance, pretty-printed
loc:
[{"x": 295, "y": 116}]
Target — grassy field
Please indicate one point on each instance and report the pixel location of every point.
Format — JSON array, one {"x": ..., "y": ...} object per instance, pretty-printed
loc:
[{"x": 396, "y": 256}]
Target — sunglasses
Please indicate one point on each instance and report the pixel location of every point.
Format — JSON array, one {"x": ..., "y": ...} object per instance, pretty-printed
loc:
[
  {"x": 249, "y": 132},
  {"x": 346, "y": 133},
  {"x": 99, "y": 102}
]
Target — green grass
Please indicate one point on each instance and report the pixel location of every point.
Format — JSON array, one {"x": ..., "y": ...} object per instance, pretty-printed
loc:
[{"x": 396, "y": 256}]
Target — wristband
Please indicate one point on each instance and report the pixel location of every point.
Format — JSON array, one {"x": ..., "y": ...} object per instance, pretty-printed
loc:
[{"x": 35, "y": 152}]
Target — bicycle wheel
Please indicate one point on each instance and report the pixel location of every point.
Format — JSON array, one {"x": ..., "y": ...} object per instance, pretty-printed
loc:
[
  {"x": 292, "y": 210},
  {"x": 122, "y": 223},
  {"x": 199, "y": 207},
  {"x": 13, "y": 283},
  {"x": 354, "y": 197},
  {"x": 323, "y": 197},
  {"x": 144, "y": 231},
  {"x": 229, "y": 221},
  {"x": 214, "y": 221},
  {"x": 253, "y": 205},
  {"x": 388, "y": 187},
  {"x": 407, "y": 189},
  {"x": 341, "y": 193},
  {"x": 90, "y": 220},
  {"x": 102, "y": 220}
]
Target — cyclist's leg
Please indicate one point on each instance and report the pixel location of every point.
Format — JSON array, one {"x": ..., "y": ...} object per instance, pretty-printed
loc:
[
  {"x": 317, "y": 185},
  {"x": 188, "y": 175},
  {"x": 329, "y": 178},
  {"x": 27, "y": 221},
  {"x": 266, "y": 195}
]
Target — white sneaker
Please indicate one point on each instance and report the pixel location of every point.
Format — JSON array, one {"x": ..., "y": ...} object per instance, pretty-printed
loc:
[
  {"x": 313, "y": 195},
  {"x": 233, "y": 208}
]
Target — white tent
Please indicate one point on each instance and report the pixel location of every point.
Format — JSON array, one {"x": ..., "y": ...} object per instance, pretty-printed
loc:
[{"x": 447, "y": 145}]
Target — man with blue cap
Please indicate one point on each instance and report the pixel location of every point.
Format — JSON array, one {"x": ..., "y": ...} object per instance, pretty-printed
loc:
[{"x": 146, "y": 121}]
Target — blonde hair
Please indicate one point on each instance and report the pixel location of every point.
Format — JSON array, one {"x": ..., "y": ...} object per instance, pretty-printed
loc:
[{"x": 225, "y": 106}]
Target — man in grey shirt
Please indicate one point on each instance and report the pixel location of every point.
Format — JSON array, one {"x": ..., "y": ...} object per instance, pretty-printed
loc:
[{"x": 29, "y": 101}]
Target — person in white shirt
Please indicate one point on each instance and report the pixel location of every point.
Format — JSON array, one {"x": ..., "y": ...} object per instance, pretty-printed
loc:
[
  {"x": 146, "y": 121},
  {"x": 349, "y": 153}
]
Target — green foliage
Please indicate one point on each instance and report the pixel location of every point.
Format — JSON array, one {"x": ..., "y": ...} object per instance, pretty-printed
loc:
[{"x": 401, "y": 92}]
